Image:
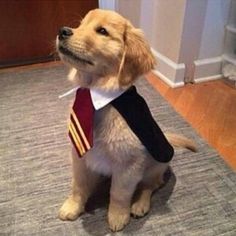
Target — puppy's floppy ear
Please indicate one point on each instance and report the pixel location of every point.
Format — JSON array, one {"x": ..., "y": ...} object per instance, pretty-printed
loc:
[{"x": 138, "y": 56}]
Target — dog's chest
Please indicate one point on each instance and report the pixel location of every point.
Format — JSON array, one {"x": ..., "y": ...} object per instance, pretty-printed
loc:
[
  {"x": 112, "y": 131},
  {"x": 114, "y": 142}
]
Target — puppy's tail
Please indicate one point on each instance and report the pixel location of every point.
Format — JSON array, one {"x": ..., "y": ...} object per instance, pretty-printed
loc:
[{"x": 180, "y": 141}]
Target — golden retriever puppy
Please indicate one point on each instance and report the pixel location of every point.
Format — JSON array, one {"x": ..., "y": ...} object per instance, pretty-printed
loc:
[{"x": 107, "y": 53}]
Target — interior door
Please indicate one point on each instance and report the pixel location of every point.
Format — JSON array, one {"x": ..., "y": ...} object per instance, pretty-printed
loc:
[{"x": 28, "y": 28}]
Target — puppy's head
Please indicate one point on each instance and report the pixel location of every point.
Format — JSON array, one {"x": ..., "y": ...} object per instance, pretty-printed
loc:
[{"x": 106, "y": 45}]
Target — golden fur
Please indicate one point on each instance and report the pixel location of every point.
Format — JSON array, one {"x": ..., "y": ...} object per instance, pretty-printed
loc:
[{"x": 116, "y": 61}]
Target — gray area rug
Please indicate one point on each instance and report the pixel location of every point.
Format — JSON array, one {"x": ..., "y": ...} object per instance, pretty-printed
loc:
[{"x": 199, "y": 197}]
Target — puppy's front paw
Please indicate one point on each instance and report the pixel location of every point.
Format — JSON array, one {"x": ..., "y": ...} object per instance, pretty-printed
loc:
[
  {"x": 70, "y": 209},
  {"x": 118, "y": 218},
  {"x": 140, "y": 208}
]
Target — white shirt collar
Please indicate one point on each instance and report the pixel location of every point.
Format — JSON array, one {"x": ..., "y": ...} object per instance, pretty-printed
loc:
[{"x": 100, "y": 98}]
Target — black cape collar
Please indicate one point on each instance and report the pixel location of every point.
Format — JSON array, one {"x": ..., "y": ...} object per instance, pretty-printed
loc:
[{"x": 134, "y": 109}]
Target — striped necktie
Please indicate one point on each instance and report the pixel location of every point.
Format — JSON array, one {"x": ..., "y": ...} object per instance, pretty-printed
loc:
[{"x": 81, "y": 122}]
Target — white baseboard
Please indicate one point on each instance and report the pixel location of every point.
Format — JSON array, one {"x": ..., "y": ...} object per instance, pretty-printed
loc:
[
  {"x": 167, "y": 80},
  {"x": 208, "y": 78},
  {"x": 169, "y": 71},
  {"x": 208, "y": 69}
]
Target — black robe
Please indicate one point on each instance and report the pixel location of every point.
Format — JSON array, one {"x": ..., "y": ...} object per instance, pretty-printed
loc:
[{"x": 136, "y": 113}]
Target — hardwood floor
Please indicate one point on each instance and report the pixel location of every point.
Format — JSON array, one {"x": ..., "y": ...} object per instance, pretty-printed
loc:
[{"x": 211, "y": 110}]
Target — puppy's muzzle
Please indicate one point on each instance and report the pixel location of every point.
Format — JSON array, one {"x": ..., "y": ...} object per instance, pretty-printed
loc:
[{"x": 64, "y": 33}]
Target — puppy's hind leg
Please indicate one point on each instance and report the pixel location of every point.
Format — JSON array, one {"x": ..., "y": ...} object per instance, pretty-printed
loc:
[
  {"x": 152, "y": 180},
  {"x": 83, "y": 183}
]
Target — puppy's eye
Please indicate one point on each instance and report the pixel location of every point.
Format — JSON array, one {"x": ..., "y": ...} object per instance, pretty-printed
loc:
[{"x": 102, "y": 31}]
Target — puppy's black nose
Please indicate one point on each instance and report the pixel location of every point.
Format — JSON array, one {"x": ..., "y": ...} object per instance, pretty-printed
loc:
[{"x": 65, "y": 32}]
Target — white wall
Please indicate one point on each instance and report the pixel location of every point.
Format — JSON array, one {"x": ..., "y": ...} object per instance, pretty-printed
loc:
[
  {"x": 128, "y": 8},
  {"x": 107, "y": 4},
  {"x": 212, "y": 40},
  {"x": 208, "y": 62},
  {"x": 167, "y": 25}
]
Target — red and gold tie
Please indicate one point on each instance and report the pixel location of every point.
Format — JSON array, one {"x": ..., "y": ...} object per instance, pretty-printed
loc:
[{"x": 81, "y": 122}]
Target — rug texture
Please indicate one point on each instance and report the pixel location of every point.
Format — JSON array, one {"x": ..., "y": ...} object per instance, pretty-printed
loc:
[{"x": 199, "y": 197}]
